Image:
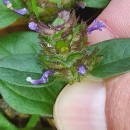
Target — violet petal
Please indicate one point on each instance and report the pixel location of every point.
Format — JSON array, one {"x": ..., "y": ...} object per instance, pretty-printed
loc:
[
  {"x": 35, "y": 82},
  {"x": 82, "y": 70},
  {"x": 6, "y": 2},
  {"x": 42, "y": 80},
  {"x": 97, "y": 25},
  {"x": 22, "y": 11},
  {"x": 33, "y": 26},
  {"x": 47, "y": 73}
]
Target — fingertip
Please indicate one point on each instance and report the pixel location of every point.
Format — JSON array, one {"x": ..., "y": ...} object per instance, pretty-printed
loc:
[
  {"x": 116, "y": 17},
  {"x": 81, "y": 106}
]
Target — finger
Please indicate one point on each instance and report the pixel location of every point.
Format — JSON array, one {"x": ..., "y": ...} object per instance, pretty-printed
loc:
[
  {"x": 117, "y": 98},
  {"x": 81, "y": 106},
  {"x": 118, "y": 103},
  {"x": 116, "y": 17},
  {"x": 109, "y": 33}
]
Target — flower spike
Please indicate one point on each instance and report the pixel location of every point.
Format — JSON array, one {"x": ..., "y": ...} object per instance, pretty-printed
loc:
[
  {"x": 97, "y": 25},
  {"x": 42, "y": 80},
  {"x": 64, "y": 48},
  {"x": 82, "y": 70}
]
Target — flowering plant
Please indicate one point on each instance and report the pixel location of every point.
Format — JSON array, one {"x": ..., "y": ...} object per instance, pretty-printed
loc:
[{"x": 50, "y": 52}]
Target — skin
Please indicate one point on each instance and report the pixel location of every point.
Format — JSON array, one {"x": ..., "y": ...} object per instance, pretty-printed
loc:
[{"x": 99, "y": 105}]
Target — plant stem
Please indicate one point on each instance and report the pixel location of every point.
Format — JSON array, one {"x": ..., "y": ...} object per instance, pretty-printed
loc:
[{"x": 32, "y": 121}]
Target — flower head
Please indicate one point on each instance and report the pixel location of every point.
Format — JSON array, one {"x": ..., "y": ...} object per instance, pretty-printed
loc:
[
  {"x": 22, "y": 11},
  {"x": 97, "y": 25},
  {"x": 82, "y": 70},
  {"x": 42, "y": 80},
  {"x": 33, "y": 26}
]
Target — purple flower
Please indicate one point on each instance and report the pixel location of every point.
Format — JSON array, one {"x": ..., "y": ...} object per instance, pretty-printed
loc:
[
  {"x": 22, "y": 11},
  {"x": 33, "y": 26},
  {"x": 82, "y": 70},
  {"x": 97, "y": 25},
  {"x": 6, "y": 2},
  {"x": 42, "y": 80}
]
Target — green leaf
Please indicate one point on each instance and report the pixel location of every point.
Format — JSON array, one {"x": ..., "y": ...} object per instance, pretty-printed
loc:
[
  {"x": 8, "y": 17},
  {"x": 35, "y": 8},
  {"x": 5, "y": 124},
  {"x": 116, "y": 58},
  {"x": 97, "y": 3},
  {"x": 18, "y": 3},
  {"x": 18, "y": 60}
]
